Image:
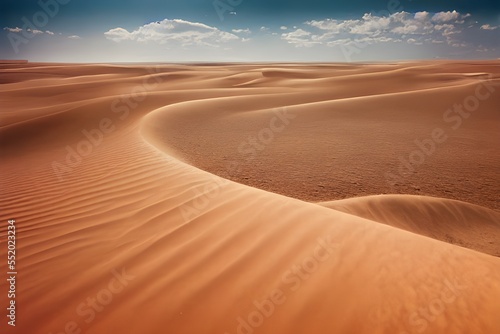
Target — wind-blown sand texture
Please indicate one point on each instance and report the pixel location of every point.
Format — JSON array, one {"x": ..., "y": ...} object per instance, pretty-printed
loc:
[{"x": 247, "y": 198}]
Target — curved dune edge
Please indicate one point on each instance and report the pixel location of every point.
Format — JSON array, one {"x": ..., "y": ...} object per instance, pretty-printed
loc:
[
  {"x": 343, "y": 134},
  {"x": 195, "y": 253},
  {"x": 452, "y": 221}
]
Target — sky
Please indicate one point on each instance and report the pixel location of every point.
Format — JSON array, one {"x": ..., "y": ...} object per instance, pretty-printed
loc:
[{"x": 248, "y": 30}]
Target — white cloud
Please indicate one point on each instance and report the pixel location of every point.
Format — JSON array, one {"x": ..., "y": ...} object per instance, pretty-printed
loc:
[
  {"x": 368, "y": 25},
  {"x": 422, "y": 16},
  {"x": 446, "y": 16},
  {"x": 264, "y": 28},
  {"x": 242, "y": 31},
  {"x": 16, "y": 29},
  {"x": 173, "y": 31},
  {"x": 451, "y": 31},
  {"x": 488, "y": 27},
  {"x": 406, "y": 29},
  {"x": 118, "y": 35},
  {"x": 333, "y": 26},
  {"x": 343, "y": 41},
  {"x": 74, "y": 37},
  {"x": 373, "y": 40},
  {"x": 414, "y": 41},
  {"x": 36, "y": 32},
  {"x": 283, "y": 27},
  {"x": 421, "y": 27},
  {"x": 299, "y": 38},
  {"x": 444, "y": 27},
  {"x": 371, "y": 25}
]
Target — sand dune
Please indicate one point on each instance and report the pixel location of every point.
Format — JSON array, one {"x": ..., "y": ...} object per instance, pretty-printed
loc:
[
  {"x": 452, "y": 221},
  {"x": 143, "y": 205},
  {"x": 323, "y": 121}
]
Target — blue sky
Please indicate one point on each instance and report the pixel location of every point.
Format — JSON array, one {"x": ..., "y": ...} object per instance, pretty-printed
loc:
[{"x": 248, "y": 30}]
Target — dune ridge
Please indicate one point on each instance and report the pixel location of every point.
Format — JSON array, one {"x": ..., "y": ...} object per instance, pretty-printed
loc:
[
  {"x": 138, "y": 236},
  {"x": 328, "y": 114},
  {"x": 456, "y": 222}
]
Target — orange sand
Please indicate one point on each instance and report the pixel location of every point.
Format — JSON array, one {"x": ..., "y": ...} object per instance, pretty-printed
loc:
[{"x": 136, "y": 195}]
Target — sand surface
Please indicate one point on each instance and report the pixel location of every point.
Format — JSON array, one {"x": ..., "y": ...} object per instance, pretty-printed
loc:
[{"x": 269, "y": 198}]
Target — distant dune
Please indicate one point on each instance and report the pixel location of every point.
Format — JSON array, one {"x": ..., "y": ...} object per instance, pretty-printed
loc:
[
  {"x": 252, "y": 198},
  {"x": 456, "y": 222},
  {"x": 7, "y": 61}
]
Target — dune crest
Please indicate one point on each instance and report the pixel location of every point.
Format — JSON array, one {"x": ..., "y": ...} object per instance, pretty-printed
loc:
[
  {"x": 456, "y": 222},
  {"x": 362, "y": 130}
]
